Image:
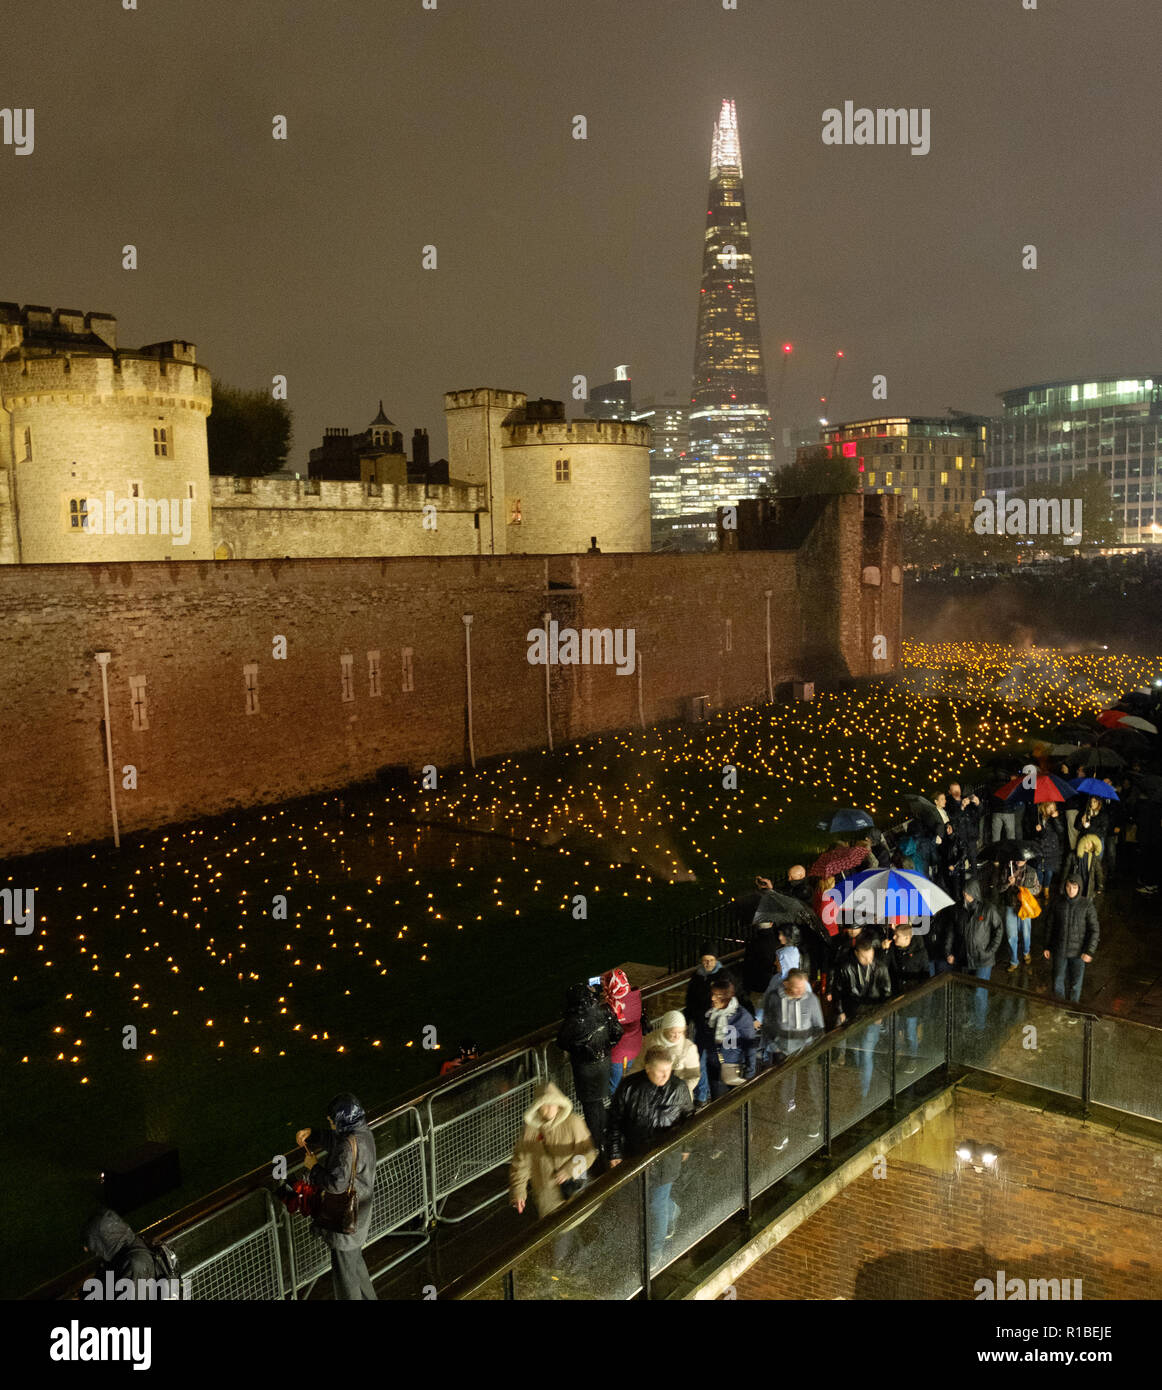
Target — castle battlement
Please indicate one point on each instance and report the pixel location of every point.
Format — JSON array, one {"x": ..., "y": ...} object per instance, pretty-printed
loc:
[
  {"x": 485, "y": 396},
  {"x": 565, "y": 432},
  {"x": 306, "y": 494},
  {"x": 96, "y": 375}
]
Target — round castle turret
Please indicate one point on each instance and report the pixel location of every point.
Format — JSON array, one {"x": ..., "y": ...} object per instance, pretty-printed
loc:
[{"x": 102, "y": 451}]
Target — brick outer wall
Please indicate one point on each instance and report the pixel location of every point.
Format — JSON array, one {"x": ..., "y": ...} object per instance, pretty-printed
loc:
[
  {"x": 1074, "y": 1202},
  {"x": 189, "y": 628}
]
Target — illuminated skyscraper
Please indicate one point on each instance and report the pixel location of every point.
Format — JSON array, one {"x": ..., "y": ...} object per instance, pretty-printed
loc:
[{"x": 731, "y": 450}]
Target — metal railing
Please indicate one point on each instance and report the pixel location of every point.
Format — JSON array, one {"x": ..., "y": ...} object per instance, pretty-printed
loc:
[
  {"x": 613, "y": 1242},
  {"x": 438, "y": 1140},
  {"x": 446, "y": 1138}
]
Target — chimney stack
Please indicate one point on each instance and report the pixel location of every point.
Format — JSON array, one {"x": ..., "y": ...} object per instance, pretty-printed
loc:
[{"x": 420, "y": 448}]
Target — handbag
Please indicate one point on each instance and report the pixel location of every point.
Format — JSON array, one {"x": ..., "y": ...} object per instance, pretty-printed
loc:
[
  {"x": 338, "y": 1210},
  {"x": 729, "y": 1072},
  {"x": 1030, "y": 907}
]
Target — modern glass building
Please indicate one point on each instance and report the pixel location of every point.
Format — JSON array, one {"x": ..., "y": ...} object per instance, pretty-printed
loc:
[
  {"x": 613, "y": 400},
  {"x": 1050, "y": 433},
  {"x": 731, "y": 449},
  {"x": 669, "y": 440},
  {"x": 935, "y": 465}
]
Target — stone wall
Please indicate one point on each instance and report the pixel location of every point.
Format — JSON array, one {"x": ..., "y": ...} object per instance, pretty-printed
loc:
[
  {"x": 188, "y": 631},
  {"x": 1074, "y": 1202}
]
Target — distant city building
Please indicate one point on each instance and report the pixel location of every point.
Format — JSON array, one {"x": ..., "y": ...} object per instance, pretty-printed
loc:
[
  {"x": 935, "y": 465},
  {"x": 1055, "y": 431},
  {"x": 794, "y": 437},
  {"x": 669, "y": 441},
  {"x": 614, "y": 400},
  {"x": 731, "y": 450}
]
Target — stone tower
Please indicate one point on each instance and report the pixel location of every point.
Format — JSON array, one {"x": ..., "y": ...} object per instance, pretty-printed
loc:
[{"x": 102, "y": 450}]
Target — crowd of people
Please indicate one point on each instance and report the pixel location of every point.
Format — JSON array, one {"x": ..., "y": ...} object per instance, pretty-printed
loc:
[
  {"x": 1032, "y": 863},
  {"x": 1030, "y": 860}
]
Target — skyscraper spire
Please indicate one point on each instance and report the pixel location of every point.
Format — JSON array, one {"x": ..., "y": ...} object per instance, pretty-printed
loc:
[
  {"x": 724, "y": 150},
  {"x": 730, "y": 452}
]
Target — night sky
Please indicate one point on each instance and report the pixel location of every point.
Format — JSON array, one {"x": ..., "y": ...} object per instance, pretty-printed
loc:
[{"x": 558, "y": 256}]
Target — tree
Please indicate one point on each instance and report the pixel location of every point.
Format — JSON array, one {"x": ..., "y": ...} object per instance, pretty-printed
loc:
[
  {"x": 248, "y": 433},
  {"x": 804, "y": 478},
  {"x": 1098, "y": 524}
]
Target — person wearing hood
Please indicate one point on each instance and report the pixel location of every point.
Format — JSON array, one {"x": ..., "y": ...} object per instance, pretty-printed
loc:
[
  {"x": 792, "y": 1021},
  {"x": 626, "y": 1005},
  {"x": 671, "y": 1036},
  {"x": 697, "y": 1003},
  {"x": 340, "y": 1158},
  {"x": 972, "y": 936},
  {"x": 588, "y": 1033},
  {"x": 122, "y": 1253},
  {"x": 1085, "y": 864},
  {"x": 551, "y": 1159},
  {"x": 1073, "y": 936}
]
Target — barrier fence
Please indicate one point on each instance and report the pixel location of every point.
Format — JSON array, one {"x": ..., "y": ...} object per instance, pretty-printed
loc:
[
  {"x": 631, "y": 1223},
  {"x": 613, "y": 1241},
  {"x": 241, "y": 1244}
]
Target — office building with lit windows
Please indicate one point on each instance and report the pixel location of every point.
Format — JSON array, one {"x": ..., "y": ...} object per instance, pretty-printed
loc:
[
  {"x": 1055, "y": 431},
  {"x": 731, "y": 450},
  {"x": 613, "y": 400},
  {"x": 669, "y": 439},
  {"x": 936, "y": 466}
]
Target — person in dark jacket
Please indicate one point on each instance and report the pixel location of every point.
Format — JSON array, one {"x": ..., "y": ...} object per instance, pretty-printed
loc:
[
  {"x": 697, "y": 1002},
  {"x": 759, "y": 961},
  {"x": 1049, "y": 836},
  {"x": 339, "y": 1157},
  {"x": 859, "y": 983},
  {"x": 651, "y": 1106},
  {"x": 973, "y": 932},
  {"x": 728, "y": 1038},
  {"x": 1073, "y": 938},
  {"x": 122, "y": 1253},
  {"x": 908, "y": 966},
  {"x": 965, "y": 813},
  {"x": 588, "y": 1033}
]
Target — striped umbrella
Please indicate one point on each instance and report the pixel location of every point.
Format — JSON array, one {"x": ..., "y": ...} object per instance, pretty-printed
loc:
[
  {"x": 888, "y": 895},
  {"x": 1045, "y": 790}
]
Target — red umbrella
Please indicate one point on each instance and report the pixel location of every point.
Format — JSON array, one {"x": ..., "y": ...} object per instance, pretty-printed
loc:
[
  {"x": 837, "y": 861},
  {"x": 1111, "y": 718},
  {"x": 1044, "y": 790}
]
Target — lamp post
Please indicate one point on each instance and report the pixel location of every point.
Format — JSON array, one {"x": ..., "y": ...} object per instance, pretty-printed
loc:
[{"x": 103, "y": 662}]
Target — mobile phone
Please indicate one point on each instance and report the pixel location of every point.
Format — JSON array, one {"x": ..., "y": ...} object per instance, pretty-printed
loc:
[{"x": 594, "y": 980}]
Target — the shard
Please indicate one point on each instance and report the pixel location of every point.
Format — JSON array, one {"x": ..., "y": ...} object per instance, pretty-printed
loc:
[{"x": 730, "y": 450}]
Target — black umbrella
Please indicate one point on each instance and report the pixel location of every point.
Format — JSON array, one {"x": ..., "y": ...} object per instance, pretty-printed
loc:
[
  {"x": 924, "y": 810},
  {"x": 1009, "y": 851},
  {"x": 1097, "y": 758},
  {"x": 778, "y": 907}
]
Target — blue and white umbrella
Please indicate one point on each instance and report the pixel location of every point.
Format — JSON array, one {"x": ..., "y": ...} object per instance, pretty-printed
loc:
[{"x": 886, "y": 895}]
